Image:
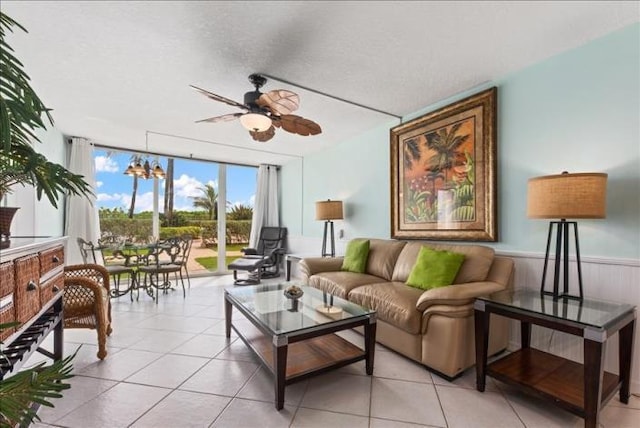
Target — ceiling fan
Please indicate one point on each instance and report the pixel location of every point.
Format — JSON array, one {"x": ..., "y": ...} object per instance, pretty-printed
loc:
[{"x": 263, "y": 112}]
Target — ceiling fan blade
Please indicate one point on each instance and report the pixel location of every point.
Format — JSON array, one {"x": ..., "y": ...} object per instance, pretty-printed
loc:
[
  {"x": 223, "y": 118},
  {"x": 264, "y": 135},
  {"x": 220, "y": 98},
  {"x": 297, "y": 125},
  {"x": 279, "y": 101}
]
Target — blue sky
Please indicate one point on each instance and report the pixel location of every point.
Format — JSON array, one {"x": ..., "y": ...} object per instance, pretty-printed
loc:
[{"x": 114, "y": 188}]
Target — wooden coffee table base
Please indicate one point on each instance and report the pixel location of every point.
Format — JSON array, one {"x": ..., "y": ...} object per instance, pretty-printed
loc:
[{"x": 291, "y": 359}]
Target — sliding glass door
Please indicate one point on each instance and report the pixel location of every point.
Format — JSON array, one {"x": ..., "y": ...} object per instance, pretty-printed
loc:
[{"x": 211, "y": 202}]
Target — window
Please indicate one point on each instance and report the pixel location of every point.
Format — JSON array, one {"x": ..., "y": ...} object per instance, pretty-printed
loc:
[{"x": 187, "y": 201}]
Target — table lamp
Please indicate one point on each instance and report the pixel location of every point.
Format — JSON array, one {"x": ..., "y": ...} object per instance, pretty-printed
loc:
[
  {"x": 328, "y": 211},
  {"x": 564, "y": 196}
]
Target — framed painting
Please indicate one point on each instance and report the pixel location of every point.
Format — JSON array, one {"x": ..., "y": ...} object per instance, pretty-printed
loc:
[{"x": 443, "y": 173}]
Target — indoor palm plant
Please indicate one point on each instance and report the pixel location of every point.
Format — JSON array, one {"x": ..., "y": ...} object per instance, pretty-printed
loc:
[
  {"x": 38, "y": 384},
  {"x": 21, "y": 114}
]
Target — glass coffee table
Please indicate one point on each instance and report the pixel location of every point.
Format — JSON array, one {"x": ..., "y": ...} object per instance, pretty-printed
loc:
[{"x": 295, "y": 338}]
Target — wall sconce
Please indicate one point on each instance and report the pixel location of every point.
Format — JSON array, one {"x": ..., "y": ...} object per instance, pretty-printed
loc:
[
  {"x": 328, "y": 211},
  {"x": 565, "y": 196}
]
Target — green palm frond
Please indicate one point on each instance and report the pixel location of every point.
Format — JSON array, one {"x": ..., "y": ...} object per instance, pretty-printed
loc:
[
  {"x": 240, "y": 212},
  {"x": 23, "y": 165},
  {"x": 21, "y": 109},
  {"x": 37, "y": 385}
]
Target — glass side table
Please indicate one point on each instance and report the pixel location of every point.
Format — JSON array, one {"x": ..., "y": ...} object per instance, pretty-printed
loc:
[{"x": 582, "y": 389}]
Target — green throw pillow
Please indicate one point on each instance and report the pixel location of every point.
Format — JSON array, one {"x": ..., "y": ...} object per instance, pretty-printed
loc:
[
  {"x": 355, "y": 258},
  {"x": 434, "y": 268}
]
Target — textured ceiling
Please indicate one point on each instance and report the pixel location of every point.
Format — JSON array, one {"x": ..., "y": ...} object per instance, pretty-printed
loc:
[{"x": 114, "y": 70}]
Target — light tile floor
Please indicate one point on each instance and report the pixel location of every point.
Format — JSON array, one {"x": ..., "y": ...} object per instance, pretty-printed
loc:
[{"x": 169, "y": 365}]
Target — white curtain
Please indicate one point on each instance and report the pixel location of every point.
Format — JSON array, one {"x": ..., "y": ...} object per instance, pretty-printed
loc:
[
  {"x": 82, "y": 213},
  {"x": 265, "y": 209}
]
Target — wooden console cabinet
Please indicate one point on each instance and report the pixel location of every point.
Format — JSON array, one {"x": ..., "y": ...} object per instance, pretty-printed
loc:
[{"x": 31, "y": 288}]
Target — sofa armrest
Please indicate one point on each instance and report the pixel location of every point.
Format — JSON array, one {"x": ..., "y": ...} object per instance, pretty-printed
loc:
[
  {"x": 448, "y": 311},
  {"x": 313, "y": 265},
  {"x": 457, "y": 294}
]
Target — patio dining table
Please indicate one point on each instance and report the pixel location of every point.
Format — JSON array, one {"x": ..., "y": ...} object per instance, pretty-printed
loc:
[{"x": 135, "y": 256}]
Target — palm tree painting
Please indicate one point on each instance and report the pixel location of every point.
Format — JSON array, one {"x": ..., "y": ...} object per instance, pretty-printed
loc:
[
  {"x": 443, "y": 172},
  {"x": 439, "y": 174}
]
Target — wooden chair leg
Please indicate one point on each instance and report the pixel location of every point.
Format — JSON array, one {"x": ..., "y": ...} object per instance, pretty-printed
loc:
[{"x": 102, "y": 342}]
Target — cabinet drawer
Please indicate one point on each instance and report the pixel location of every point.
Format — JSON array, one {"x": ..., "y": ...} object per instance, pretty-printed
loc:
[
  {"x": 6, "y": 279},
  {"x": 7, "y": 310},
  {"x": 51, "y": 259},
  {"x": 50, "y": 288},
  {"x": 7, "y": 314},
  {"x": 27, "y": 289}
]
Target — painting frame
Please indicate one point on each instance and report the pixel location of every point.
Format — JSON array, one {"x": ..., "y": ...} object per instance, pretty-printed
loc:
[{"x": 443, "y": 172}]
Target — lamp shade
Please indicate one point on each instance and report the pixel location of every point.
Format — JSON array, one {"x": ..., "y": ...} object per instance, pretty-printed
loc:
[
  {"x": 329, "y": 210},
  {"x": 255, "y": 122},
  {"x": 581, "y": 195}
]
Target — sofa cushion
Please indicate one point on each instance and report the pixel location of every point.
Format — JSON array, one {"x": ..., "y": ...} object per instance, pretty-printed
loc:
[
  {"x": 341, "y": 283},
  {"x": 434, "y": 268},
  {"x": 476, "y": 265},
  {"x": 383, "y": 254},
  {"x": 395, "y": 303},
  {"x": 355, "y": 256}
]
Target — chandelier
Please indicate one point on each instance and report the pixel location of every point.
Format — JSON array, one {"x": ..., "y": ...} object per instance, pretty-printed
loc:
[{"x": 142, "y": 168}]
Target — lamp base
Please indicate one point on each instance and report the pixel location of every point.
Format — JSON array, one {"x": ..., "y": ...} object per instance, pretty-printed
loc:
[
  {"x": 562, "y": 254},
  {"x": 332, "y": 253},
  {"x": 330, "y": 311},
  {"x": 560, "y": 295}
]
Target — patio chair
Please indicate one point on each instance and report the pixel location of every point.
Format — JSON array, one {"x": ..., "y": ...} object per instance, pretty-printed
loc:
[
  {"x": 263, "y": 261},
  {"x": 156, "y": 271},
  {"x": 86, "y": 301},
  {"x": 182, "y": 257},
  {"x": 116, "y": 266}
]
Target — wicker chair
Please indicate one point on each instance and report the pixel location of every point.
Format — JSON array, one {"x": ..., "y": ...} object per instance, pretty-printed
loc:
[{"x": 86, "y": 301}]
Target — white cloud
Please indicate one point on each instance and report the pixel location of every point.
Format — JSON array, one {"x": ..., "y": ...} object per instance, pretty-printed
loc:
[
  {"x": 106, "y": 164},
  {"x": 252, "y": 200},
  {"x": 106, "y": 197},
  {"x": 187, "y": 186},
  {"x": 144, "y": 202},
  {"x": 99, "y": 184},
  {"x": 213, "y": 183}
]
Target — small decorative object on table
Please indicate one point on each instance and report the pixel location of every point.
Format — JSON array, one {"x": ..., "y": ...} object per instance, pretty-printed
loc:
[
  {"x": 293, "y": 292},
  {"x": 327, "y": 308}
]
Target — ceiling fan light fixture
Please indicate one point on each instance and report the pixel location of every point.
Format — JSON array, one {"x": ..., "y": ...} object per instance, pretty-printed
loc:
[{"x": 255, "y": 122}]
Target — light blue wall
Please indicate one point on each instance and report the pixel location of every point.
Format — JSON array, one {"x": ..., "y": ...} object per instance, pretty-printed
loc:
[{"x": 578, "y": 111}]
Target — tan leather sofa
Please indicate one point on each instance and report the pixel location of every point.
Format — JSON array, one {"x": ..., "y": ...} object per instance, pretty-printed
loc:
[{"x": 433, "y": 327}]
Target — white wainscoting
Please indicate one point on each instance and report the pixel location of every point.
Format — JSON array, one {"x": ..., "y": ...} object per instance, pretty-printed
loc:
[{"x": 617, "y": 280}]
